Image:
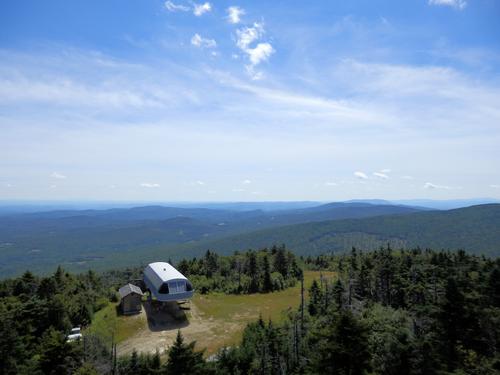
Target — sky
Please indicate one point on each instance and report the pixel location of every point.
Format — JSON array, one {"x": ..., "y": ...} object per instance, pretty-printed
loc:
[{"x": 249, "y": 100}]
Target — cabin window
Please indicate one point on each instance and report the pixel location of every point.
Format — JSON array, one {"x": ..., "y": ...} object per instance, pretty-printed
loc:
[
  {"x": 177, "y": 286},
  {"x": 189, "y": 286},
  {"x": 163, "y": 289}
]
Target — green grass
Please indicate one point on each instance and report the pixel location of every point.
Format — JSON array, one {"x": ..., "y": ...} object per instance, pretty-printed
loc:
[
  {"x": 111, "y": 326},
  {"x": 239, "y": 310}
]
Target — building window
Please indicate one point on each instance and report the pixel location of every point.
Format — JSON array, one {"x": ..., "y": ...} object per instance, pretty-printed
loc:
[
  {"x": 177, "y": 286},
  {"x": 164, "y": 289}
]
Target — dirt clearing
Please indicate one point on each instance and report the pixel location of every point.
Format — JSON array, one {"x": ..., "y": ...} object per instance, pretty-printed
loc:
[{"x": 213, "y": 320}]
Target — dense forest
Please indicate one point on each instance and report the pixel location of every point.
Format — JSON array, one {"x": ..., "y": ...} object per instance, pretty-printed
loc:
[
  {"x": 388, "y": 312},
  {"x": 249, "y": 272}
]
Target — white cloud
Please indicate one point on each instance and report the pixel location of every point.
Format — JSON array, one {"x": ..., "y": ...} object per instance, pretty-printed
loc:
[
  {"x": 58, "y": 176},
  {"x": 200, "y": 9},
  {"x": 150, "y": 185},
  {"x": 381, "y": 175},
  {"x": 246, "y": 182},
  {"x": 261, "y": 52},
  {"x": 201, "y": 183},
  {"x": 176, "y": 7},
  {"x": 457, "y": 4},
  {"x": 198, "y": 41},
  {"x": 248, "y": 35},
  {"x": 429, "y": 185},
  {"x": 234, "y": 14},
  {"x": 361, "y": 175}
]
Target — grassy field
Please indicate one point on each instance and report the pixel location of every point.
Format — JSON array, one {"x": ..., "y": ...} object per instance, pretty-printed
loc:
[
  {"x": 111, "y": 326},
  {"x": 239, "y": 310},
  {"x": 214, "y": 320}
]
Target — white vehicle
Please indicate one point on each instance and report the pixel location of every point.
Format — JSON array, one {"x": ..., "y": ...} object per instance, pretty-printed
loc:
[{"x": 74, "y": 335}]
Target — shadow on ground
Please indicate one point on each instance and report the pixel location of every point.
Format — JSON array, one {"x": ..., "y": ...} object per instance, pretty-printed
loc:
[{"x": 165, "y": 316}]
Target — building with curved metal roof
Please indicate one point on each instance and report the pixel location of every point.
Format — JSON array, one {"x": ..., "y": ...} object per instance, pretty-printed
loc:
[{"x": 166, "y": 283}]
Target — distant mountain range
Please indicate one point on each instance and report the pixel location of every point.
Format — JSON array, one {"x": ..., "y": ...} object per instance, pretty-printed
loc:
[
  {"x": 79, "y": 239},
  {"x": 16, "y": 207}
]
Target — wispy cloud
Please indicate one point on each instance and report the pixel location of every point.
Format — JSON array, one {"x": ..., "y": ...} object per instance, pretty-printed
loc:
[
  {"x": 172, "y": 7},
  {"x": 58, "y": 176},
  {"x": 329, "y": 183},
  {"x": 385, "y": 170},
  {"x": 407, "y": 177},
  {"x": 200, "y": 9},
  {"x": 246, "y": 182},
  {"x": 234, "y": 14},
  {"x": 66, "y": 91},
  {"x": 361, "y": 175},
  {"x": 198, "y": 41},
  {"x": 381, "y": 175},
  {"x": 429, "y": 185},
  {"x": 150, "y": 185},
  {"x": 457, "y": 4},
  {"x": 494, "y": 186},
  {"x": 200, "y": 183}
]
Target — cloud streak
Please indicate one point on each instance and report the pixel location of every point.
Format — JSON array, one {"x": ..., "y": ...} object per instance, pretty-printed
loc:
[
  {"x": 58, "y": 176},
  {"x": 201, "y": 42},
  {"x": 172, "y": 7},
  {"x": 457, "y": 4},
  {"x": 431, "y": 186},
  {"x": 150, "y": 185},
  {"x": 381, "y": 175},
  {"x": 361, "y": 175}
]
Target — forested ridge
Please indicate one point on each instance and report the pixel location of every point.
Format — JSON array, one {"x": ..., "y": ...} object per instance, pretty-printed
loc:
[
  {"x": 387, "y": 312},
  {"x": 103, "y": 240}
]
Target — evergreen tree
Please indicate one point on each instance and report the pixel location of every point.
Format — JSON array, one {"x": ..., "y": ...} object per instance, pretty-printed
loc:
[
  {"x": 315, "y": 299},
  {"x": 281, "y": 261},
  {"x": 451, "y": 321},
  {"x": 494, "y": 287},
  {"x": 341, "y": 346},
  {"x": 183, "y": 359},
  {"x": 338, "y": 294},
  {"x": 253, "y": 272},
  {"x": 267, "y": 284}
]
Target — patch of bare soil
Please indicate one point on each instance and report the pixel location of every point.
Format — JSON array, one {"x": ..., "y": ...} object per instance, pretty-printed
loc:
[{"x": 161, "y": 325}]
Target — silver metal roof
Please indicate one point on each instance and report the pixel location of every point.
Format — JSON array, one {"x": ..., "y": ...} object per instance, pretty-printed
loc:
[
  {"x": 160, "y": 272},
  {"x": 128, "y": 289}
]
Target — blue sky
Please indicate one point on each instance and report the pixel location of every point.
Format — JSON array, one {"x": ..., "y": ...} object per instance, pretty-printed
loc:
[{"x": 249, "y": 100}]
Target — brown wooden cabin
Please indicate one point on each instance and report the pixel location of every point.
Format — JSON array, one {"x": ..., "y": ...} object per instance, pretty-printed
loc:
[{"x": 130, "y": 302}]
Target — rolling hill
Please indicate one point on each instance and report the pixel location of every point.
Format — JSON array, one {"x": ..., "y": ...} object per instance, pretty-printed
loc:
[
  {"x": 476, "y": 229},
  {"x": 119, "y": 237},
  {"x": 78, "y": 238}
]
